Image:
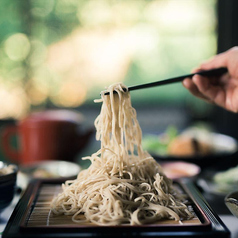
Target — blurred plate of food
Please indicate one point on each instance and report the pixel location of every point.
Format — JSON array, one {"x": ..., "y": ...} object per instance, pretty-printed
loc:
[
  {"x": 195, "y": 145},
  {"x": 47, "y": 170},
  {"x": 219, "y": 182}
]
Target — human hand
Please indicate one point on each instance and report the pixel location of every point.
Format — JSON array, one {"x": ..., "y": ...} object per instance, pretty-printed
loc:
[{"x": 222, "y": 90}]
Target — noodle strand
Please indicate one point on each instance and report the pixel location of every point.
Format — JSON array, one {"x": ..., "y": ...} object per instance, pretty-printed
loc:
[{"x": 123, "y": 184}]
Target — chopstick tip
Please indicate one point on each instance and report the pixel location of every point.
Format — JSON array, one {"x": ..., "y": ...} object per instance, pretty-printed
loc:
[{"x": 107, "y": 92}]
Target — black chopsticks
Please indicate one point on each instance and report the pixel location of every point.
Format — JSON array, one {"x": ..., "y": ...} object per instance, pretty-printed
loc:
[{"x": 208, "y": 73}]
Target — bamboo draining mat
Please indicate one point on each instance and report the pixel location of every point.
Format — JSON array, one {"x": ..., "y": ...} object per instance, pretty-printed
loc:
[
  {"x": 41, "y": 215},
  {"x": 32, "y": 218}
]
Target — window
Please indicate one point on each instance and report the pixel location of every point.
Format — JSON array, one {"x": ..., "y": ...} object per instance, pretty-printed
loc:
[{"x": 63, "y": 53}]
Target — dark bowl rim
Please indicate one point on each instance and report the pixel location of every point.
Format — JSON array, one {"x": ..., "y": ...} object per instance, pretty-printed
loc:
[{"x": 11, "y": 175}]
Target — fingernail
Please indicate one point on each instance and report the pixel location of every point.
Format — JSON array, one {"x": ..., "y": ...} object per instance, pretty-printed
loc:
[
  {"x": 195, "y": 78},
  {"x": 186, "y": 83}
]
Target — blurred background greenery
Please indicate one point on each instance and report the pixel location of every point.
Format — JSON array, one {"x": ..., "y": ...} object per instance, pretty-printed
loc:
[{"x": 62, "y": 53}]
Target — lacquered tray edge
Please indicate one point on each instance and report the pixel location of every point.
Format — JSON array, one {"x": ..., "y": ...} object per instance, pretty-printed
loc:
[{"x": 24, "y": 205}]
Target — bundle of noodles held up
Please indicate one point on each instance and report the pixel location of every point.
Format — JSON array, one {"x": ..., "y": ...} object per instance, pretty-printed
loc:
[{"x": 123, "y": 184}]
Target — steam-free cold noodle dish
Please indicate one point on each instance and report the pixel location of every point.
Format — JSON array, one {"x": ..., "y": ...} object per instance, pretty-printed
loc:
[{"x": 123, "y": 184}]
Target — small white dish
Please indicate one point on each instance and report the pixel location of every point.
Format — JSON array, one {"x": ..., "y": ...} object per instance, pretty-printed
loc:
[
  {"x": 180, "y": 169},
  {"x": 231, "y": 201},
  {"x": 47, "y": 170},
  {"x": 51, "y": 169}
]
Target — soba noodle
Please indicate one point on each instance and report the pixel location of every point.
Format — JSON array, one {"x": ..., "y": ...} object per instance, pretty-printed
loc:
[{"x": 123, "y": 184}]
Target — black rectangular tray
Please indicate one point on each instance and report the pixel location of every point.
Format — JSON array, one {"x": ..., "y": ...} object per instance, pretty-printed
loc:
[{"x": 30, "y": 218}]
